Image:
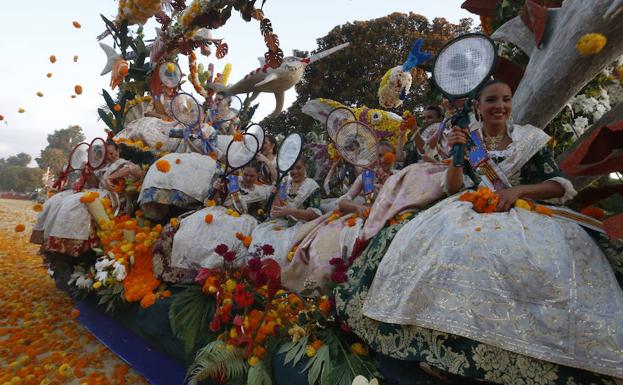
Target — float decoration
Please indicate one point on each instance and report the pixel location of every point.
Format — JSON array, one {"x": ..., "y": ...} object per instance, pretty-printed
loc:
[{"x": 396, "y": 82}]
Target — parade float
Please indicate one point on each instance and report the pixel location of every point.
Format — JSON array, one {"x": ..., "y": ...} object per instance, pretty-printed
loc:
[{"x": 126, "y": 250}]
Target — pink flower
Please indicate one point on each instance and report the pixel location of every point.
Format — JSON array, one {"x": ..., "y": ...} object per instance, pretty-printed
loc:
[
  {"x": 229, "y": 256},
  {"x": 268, "y": 250},
  {"x": 221, "y": 249}
]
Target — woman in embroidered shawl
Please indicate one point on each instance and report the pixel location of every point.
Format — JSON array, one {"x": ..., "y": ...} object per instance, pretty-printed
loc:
[
  {"x": 72, "y": 231},
  {"x": 333, "y": 234},
  {"x": 509, "y": 297},
  {"x": 199, "y": 234},
  {"x": 301, "y": 205}
]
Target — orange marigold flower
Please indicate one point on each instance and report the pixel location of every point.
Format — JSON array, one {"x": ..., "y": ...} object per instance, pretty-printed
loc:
[
  {"x": 247, "y": 241},
  {"x": 148, "y": 300},
  {"x": 163, "y": 166},
  {"x": 317, "y": 344},
  {"x": 174, "y": 222},
  {"x": 117, "y": 107},
  {"x": 75, "y": 313},
  {"x": 239, "y": 236},
  {"x": 351, "y": 222},
  {"x": 178, "y": 161},
  {"x": 594, "y": 212},
  {"x": 166, "y": 294},
  {"x": 543, "y": 210},
  {"x": 76, "y": 24},
  {"x": 37, "y": 207},
  {"x": 208, "y": 218},
  {"x": 366, "y": 213},
  {"x": 159, "y": 145},
  {"x": 359, "y": 349},
  {"x": 19, "y": 228},
  {"x": 78, "y": 89},
  {"x": 138, "y": 213},
  {"x": 211, "y": 203},
  {"x": 238, "y": 137},
  {"x": 389, "y": 157}
]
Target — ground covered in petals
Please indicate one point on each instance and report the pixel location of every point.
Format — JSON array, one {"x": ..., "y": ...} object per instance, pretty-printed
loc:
[{"x": 41, "y": 342}]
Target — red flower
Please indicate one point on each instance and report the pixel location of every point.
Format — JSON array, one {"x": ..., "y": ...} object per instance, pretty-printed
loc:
[
  {"x": 268, "y": 250},
  {"x": 255, "y": 264},
  {"x": 229, "y": 256},
  {"x": 215, "y": 325},
  {"x": 221, "y": 249},
  {"x": 242, "y": 297},
  {"x": 336, "y": 261},
  {"x": 338, "y": 276}
]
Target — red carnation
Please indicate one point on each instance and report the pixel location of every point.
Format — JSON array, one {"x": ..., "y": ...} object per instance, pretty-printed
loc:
[
  {"x": 229, "y": 256},
  {"x": 336, "y": 261},
  {"x": 255, "y": 264},
  {"x": 268, "y": 249},
  {"x": 242, "y": 297},
  {"x": 338, "y": 276},
  {"x": 221, "y": 249},
  {"x": 215, "y": 325}
]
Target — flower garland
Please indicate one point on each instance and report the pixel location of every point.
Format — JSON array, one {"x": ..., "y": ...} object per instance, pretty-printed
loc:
[
  {"x": 194, "y": 77},
  {"x": 483, "y": 200},
  {"x": 137, "y": 11}
]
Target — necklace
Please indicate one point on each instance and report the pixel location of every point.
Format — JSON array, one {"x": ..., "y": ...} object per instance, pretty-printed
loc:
[{"x": 493, "y": 142}]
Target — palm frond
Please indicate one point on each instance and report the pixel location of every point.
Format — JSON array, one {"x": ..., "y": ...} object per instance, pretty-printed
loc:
[
  {"x": 216, "y": 360},
  {"x": 189, "y": 317}
]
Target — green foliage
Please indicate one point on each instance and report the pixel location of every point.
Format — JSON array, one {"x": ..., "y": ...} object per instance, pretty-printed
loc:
[
  {"x": 189, "y": 316},
  {"x": 16, "y": 176},
  {"x": 353, "y": 75},
  {"x": 259, "y": 375},
  {"x": 215, "y": 360},
  {"x": 295, "y": 351},
  {"x": 111, "y": 296},
  {"x": 60, "y": 144}
]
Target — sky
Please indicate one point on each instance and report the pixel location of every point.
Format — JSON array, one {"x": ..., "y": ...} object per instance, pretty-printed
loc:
[{"x": 32, "y": 31}]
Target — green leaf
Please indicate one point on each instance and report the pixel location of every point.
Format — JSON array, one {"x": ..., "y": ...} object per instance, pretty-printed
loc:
[
  {"x": 108, "y": 121},
  {"x": 109, "y": 101},
  {"x": 258, "y": 375},
  {"x": 216, "y": 359},
  {"x": 318, "y": 364},
  {"x": 189, "y": 316},
  {"x": 297, "y": 352}
]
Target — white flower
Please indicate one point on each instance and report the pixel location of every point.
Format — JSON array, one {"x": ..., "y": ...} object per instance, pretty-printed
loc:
[
  {"x": 84, "y": 282},
  {"x": 101, "y": 276},
  {"x": 361, "y": 380},
  {"x": 103, "y": 263},
  {"x": 580, "y": 123},
  {"x": 119, "y": 271}
]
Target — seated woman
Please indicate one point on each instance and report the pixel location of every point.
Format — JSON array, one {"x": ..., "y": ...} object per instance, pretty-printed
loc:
[
  {"x": 222, "y": 117},
  {"x": 72, "y": 231},
  {"x": 199, "y": 234},
  {"x": 268, "y": 160},
  {"x": 524, "y": 295},
  {"x": 47, "y": 216},
  {"x": 337, "y": 182},
  {"x": 300, "y": 205},
  {"x": 333, "y": 235},
  {"x": 184, "y": 179}
]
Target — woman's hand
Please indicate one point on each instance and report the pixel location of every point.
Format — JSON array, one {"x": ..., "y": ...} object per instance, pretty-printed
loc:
[
  {"x": 280, "y": 211},
  {"x": 457, "y": 136},
  {"x": 261, "y": 158},
  {"x": 507, "y": 198}
]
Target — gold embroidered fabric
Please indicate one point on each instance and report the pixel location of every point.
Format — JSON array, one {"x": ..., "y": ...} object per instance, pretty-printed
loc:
[{"x": 521, "y": 281}]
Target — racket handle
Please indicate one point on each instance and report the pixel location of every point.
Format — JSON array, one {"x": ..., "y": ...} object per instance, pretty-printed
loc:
[
  {"x": 269, "y": 203},
  {"x": 458, "y": 151}
]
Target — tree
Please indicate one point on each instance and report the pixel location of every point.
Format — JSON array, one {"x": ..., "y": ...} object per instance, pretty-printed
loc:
[
  {"x": 21, "y": 159},
  {"x": 60, "y": 144},
  {"x": 353, "y": 75}
]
